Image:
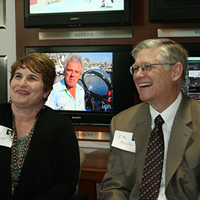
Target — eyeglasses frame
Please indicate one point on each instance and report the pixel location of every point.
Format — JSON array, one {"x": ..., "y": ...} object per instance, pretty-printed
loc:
[{"x": 143, "y": 69}]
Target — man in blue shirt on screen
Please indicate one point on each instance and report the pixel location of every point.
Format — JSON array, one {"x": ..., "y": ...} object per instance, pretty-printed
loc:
[{"x": 67, "y": 94}]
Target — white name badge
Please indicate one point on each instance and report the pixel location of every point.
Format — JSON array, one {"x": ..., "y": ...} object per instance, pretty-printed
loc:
[
  {"x": 123, "y": 140},
  {"x": 5, "y": 139}
]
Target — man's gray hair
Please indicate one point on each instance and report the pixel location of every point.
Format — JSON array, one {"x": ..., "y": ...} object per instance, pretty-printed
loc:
[
  {"x": 170, "y": 52},
  {"x": 76, "y": 58}
]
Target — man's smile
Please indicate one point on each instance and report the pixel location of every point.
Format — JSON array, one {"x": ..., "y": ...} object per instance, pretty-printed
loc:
[{"x": 144, "y": 84}]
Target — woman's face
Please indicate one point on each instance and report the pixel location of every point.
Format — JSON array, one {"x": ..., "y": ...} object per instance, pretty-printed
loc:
[{"x": 27, "y": 89}]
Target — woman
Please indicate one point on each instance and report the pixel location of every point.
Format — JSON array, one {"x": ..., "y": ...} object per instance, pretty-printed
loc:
[{"x": 39, "y": 152}]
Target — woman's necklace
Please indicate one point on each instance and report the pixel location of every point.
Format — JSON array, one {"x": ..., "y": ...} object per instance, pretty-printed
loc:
[{"x": 18, "y": 153}]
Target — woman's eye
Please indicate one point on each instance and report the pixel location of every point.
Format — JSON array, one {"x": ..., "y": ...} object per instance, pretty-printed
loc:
[
  {"x": 32, "y": 78},
  {"x": 17, "y": 76}
]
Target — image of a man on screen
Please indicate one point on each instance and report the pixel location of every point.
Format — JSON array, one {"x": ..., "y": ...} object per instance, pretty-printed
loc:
[{"x": 67, "y": 94}]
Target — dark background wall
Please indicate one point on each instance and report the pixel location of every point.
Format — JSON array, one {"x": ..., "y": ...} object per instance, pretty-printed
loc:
[{"x": 141, "y": 29}]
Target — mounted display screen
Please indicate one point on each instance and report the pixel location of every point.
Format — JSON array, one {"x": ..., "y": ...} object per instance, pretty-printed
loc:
[
  {"x": 174, "y": 10},
  {"x": 192, "y": 83},
  {"x": 106, "y": 81},
  {"x": 72, "y": 13}
]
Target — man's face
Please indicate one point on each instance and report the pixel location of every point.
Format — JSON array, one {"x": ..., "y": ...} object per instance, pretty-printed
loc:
[
  {"x": 72, "y": 74},
  {"x": 157, "y": 86}
]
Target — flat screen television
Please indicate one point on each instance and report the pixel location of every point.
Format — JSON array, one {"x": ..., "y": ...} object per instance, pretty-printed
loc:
[
  {"x": 192, "y": 84},
  {"x": 174, "y": 11},
  {"x": 106, "y": 80},
  {"x": 76, "y": 13}
]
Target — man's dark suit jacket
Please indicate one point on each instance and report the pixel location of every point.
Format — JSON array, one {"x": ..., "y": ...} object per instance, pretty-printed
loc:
[
  {"x": 51, "y": 167},
  {"x": 124, "y": 173}
]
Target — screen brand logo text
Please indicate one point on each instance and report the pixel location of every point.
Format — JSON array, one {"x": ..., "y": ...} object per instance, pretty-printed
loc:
[
  {"x": 76, "y": 117},
  {"x": 74, "y": 18}
]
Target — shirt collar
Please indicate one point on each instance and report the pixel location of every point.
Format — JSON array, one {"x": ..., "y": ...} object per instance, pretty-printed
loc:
[
  {"x": 61, "y": 85},
  {"x": 168, "y": 114}
]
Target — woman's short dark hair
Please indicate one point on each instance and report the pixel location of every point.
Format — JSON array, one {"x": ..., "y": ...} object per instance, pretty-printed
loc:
[{"x": 37, "y": 62}]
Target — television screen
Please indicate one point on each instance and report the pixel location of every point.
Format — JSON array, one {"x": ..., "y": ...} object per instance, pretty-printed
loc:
[
  {"x": 66, "y": 13},
  {"x": 75, "y": 6},
  {"x": 105, "y": 81},
  {"x": 174, "y": 11},
  {"x": 192, "y": 83}
]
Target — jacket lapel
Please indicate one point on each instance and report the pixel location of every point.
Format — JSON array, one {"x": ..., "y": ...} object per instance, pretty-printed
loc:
[
  {"x": 180, "y": 135},
  {"x": 141, "y": 134}
]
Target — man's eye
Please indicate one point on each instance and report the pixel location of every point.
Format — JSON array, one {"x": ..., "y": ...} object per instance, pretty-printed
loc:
[
  {"x": 136, "y": 68},
  {"x": 148, "y": 66}
]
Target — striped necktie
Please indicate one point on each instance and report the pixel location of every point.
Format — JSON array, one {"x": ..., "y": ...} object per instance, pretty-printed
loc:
[{"x": 152, "y": 173}]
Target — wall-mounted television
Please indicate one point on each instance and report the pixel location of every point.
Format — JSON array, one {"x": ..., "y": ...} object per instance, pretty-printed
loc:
[
  {"x": 106, "y": 80},
  {"x": 192, "y": 84},
  {"x": 76, "y": 13},
  {"x": 174, "y": 11}
]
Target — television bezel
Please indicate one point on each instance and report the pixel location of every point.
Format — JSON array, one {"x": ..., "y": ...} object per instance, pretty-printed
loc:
[
  {"x": 172, "y": 14},
  {"x": 122, "y": 81},
  {"x": 78, "y": 19},
  {"x": 193, "y": 49}
]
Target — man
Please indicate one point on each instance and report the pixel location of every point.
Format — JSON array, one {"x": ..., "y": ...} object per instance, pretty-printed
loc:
[
  {"x": 158, "y": 72},
  {"x": 67, "y": 94}
]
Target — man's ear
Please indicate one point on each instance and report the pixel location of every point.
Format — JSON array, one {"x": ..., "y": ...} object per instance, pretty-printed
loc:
[{"x": 177, "y": 71}]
